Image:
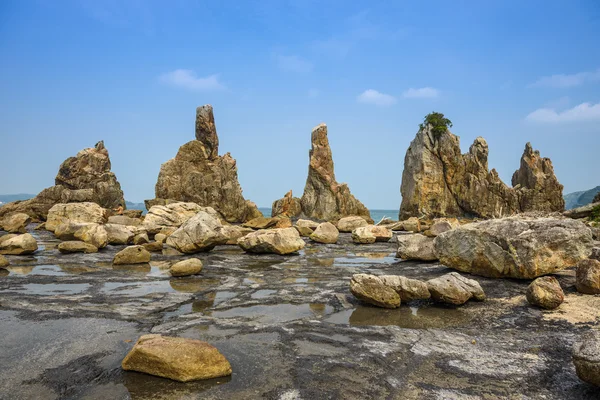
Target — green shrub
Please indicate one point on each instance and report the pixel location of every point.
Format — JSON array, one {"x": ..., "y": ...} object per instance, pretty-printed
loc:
[
  {"x": 439, "y": 123},
  {"x": 595, "y": 214}
]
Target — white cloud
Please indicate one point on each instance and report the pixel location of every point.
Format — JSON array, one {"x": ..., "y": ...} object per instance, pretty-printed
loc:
[
  {"x": 567, "y": 81},
  {"x": 294, "y": 63},
  {"x": 312, "y": 93},
  {"x": 580, "y": 113},
  {"x": 371, "y": 96},
  {"x": 187, "y": 79},
  {"x": 421, "y": 93}
]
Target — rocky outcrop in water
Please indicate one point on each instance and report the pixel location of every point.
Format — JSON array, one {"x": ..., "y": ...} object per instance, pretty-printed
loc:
[
  {"x": 324, "y": 198},
  {"x": 439, "y": 181},
  {"x": 198, "y": 174},
  {"x": 84, "y": 178}
]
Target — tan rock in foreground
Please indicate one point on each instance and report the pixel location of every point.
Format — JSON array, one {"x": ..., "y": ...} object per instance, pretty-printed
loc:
[
  {"x": 545, "y": 292},
  {"x": 348, "y": 224},
  {"x": 18, "y": 244},
  {"x": 75, "y": 212},
  {"x": 588, "y": 277},
  {"x": 75, "y": 246},
  {"x": 16, "y": 223},
  {"x": 132, "y": 255},
  {"x": 455, "y": 289},
  {"x": 325, "y": 233},
  {"x": 191, "y": 266},
  {"x": 179, "y": 359},
  {"x": 370, "y": 289},
  {"x": 279, "y": 241}
]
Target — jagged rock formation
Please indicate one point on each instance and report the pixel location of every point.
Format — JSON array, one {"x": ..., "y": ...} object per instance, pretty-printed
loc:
[
  {"x": 198, "y": 174},
  {"x": 324, "y": 198},
  {"x": 439, "y": 181},
  {"x": 288, "y": 206},
  {"x": 84, "y": 178}
]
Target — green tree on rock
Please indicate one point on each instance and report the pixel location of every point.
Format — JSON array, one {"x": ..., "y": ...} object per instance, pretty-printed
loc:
[{"x": 439, "y": 123}]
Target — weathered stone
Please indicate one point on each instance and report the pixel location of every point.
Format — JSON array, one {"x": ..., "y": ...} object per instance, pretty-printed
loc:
[
  {"x": 160, "y": 237},
  {"x": 3, "y": 262},
  {"x": 363, "y": 235},
  {"x": 234, "y": 232},
  {"x": 325, "y": 233},
  {"x": 454, "y": 288},
  {"x": 370, "y": 289},
  {"x": 153, "y": 247},
  {"x": 306, "y": 227},
  {"x": 439, "y": 181},
  {"x": 412, "y": 225},
  {"x": 135, "y": 214},
  {"x": 94, "y": 234},
  {"x": 545, "y": 292},
  {"x": 408, "y": 289},
  {"x": 199, "y": 174},
  {"x": 586, "y": 357},
  {"x": 202, "y": 232},
  {"x": 171, "y": 216},
  {"x": 66, "y": 230},
  {"x": 16, "y": 223},
  {"x": 261, "y": 223},
  {"x": 132, "y": 255},
  {"x": 124, "y": 220},
  {"x": 75, "y": 212},
  {"x": 381, "y": 233},
  {"x": 191, "y": 266},
  {"x": 588, "y": 277},
  {"x": 581, "y": 212},
  {"x": 119, "y": 234},
  {"x": 416, "y": 247},
  {"x": 278, "y": 241},
  {"x": 515, "y": 247},
  {"x": 288, "y": 206},
  {"x": 595, "y": 253},
  {"x": 18, "y": 244},
  {"x": 4, "y": 238},
  {"x": 283, "y": 222},
  {"x": 179, "y": 359},
  {"x": 348, "y": 224},
  {"x": 141, "y": 238},
  {"x": 324, "y": 198},
  {"x": 83, "y": 178},
  {"x": 76, "y": 246},
  {"x": 441, "y": 225}
]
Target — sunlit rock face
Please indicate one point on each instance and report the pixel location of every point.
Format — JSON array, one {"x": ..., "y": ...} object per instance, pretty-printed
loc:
[
  {"x": 198, "y": 174},
  {"x": 438, "y": 180}
]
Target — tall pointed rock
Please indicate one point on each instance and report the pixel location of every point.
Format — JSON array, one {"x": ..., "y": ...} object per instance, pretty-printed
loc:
[
  {"x": 324, "y": 198},
  {"x": 198, "y": 174}
]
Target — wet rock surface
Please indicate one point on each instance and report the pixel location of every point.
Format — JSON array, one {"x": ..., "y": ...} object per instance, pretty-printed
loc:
[{"x": 288, "y": 325}]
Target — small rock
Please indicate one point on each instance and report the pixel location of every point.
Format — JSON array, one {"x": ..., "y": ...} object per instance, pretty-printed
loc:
[
  {"x": 545, "y": 292},
  {"x": 119, "y": 234},
  {"x": 305, "y": 227},
  {"x": 16, "y": 223},
  {"x": 454, "y": 289},
  {"x": 153, "y": 247},
  {"x": 441, "y": 225},
  {"x": 187, "y": 267},
  {"x": 3, "y": 262},
  {"x": 132, "y": 255},
  {"x": 160, "y": 237},
  {"x": 94, "y": 234},
  {"x": 75, "y": 246},
  {"x": 278, "y": 241},
  {"x": 415, "y": 247},
  {"x": 363, "y": 235},
  {"x": 349, "y": 224},
  {"x": 325, "y": 233},
  {"x": 412, "y": 225},
  {"x": 586, "y": 357},
  {"x": 141, "y": 238},
  {"x": 180, "y": 359},
  {"x": 408, "y": 289},
  {"x": 18, "y": 244},
  {"x": 234, "y": 232},
  {"x": 588, "y": 277},
  {"x": 370, "y": 289}
]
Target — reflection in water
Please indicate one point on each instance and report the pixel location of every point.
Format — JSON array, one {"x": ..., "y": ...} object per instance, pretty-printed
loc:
[
  {"x": 261, "y": 294},
  {"x": 76, "y": 269},
  {"x": 137, "y": 288},
  {"x": 373, "y": 256},
  {"x": 134, "y": 269},
  {"x": 277, "y": 313},
  {"x": 366, "y": 258},
  {"x": 4, "y": 272},
  {"x": 206, "y": 301},
  {"x": 323, "y": 262},
  {"x": 47, "y": 289},
  {"x": 20, "y": 270},
  {"x": 193, "y": 284},
  {"x": 405, "y": 317},
  {"x": 143, "y": 386}
]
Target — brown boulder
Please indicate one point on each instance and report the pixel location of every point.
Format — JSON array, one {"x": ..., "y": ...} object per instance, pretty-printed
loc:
[
  {"x": 455, "y": 289},
  {"x": 370, "y": 289},
  {"x": 587, "y": 278},
  {"x": 545, "y": 292}
]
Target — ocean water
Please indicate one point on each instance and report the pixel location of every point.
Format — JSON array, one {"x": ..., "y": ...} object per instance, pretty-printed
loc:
[{"x": 377, "y": 215}]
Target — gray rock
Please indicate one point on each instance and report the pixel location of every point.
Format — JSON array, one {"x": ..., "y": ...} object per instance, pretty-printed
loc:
[
  {"x": 587, "y": 278},
  {"x": 415, "y": 247},
  {"x": 586, "y": 357},
  {"x": 455, "y": 289},
  {"x": 202, "y": 232},
  {"x": 407, "y": 289},
  {"x": 278, "y": 241}
]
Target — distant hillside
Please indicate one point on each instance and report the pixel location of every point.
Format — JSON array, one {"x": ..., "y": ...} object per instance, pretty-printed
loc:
[
  {"x": 135, "y": 206},
  {"x": 7, "y": 198},
  {"x": 578, "y": 199}
]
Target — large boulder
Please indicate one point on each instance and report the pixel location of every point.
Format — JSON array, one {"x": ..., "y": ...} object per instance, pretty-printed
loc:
[
  {"x": 279, "y": 241},
  {"x": 324, "y": 198},
  {"x": 119, "y": 234},
  {"x": 93, "y": 234},
  {"x": 441, "y": 225},
  {"x": 233, "y": 233},
  {"x": 348, "y": 224},
  {"x": 545, "y": 292},
  {"x": 586, "y": 357},
  {"x": 180, "y": 359},
  {"x": 191, "y": 266},
  {"x": 198, "y": 174},
  {"x": 408, "y": 289},
  {"x": 412, "y": 224},
  {"x": 66, "y": 229},
  {"x": 18, "y": 244},
  {"x": 288, "y": 206},
  {"x": 76, "y": 246},
  {"x": 363, "y": 235},
  {"x": 124, "y": 220},
  {"x": 84, "y": 178},
  {"x": 587, "y": 279},
  {"x": 261, "y": 223},
  {"x": 15, "y": 223},
  {"x": 455, "y": 289},
  {"x": 306, "y": 227},
  {"x": 132, "y": 255},
  {"x": 202, "y": 232},
  {"x": 75, "y": 212},
  {"x": 325, "y": 233},
  {"x": 415, "y": 247},
  {"x": 169, "y": 216},
  {"x": 515, "y": 247},
  {"x": 439, "y": 181},
  {"x": 371, "y": 290}
]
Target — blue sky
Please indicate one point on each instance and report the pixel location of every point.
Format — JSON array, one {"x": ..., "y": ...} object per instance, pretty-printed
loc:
[{"x": 133, "y": 72}]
